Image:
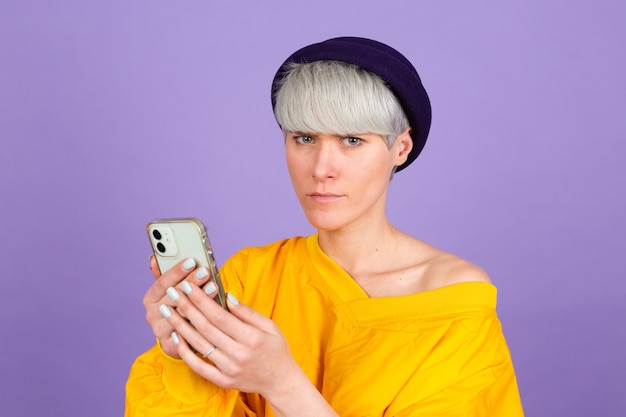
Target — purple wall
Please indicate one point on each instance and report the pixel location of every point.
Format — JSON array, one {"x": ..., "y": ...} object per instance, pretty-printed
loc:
[{"x": 113, "y": 113}]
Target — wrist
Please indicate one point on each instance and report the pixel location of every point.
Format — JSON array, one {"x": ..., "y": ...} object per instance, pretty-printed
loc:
[{"x": 297, "y": 396}]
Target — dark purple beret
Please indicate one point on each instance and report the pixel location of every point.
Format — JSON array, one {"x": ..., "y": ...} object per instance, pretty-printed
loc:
[{"x": 387, "y": 63}]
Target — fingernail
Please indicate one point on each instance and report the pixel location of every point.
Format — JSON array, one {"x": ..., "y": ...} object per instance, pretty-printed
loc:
[
  {"x": 202, "y": 273},
  {"x": 165, "y": 311},
  {"x": 175, "y": 338},
  {"x": 210, "y": 288},
  {"x": 233, "y": 300},
  {"x": 186, "y": 287},
  {"x": 189, "y": 264},
  {"x": 172, "y": 293}
]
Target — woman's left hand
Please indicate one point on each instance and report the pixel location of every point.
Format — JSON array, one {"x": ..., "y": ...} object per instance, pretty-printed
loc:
[{"x": 247, "y": 350}]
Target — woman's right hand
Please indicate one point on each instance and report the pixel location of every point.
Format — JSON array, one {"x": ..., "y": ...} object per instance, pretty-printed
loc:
[{"x": 155, "y": 296}]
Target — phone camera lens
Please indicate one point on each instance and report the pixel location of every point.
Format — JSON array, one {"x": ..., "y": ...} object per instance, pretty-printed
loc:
[
  {"x": 161, "y": 247},
  {"x": 156, "y": 234}
]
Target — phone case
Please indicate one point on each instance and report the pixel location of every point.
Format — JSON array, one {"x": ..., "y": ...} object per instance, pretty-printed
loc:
[{"x": 173, "y": 240}]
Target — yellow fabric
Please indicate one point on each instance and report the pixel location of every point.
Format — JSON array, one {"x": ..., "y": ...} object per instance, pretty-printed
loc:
[{"x": 436, "y": 353}]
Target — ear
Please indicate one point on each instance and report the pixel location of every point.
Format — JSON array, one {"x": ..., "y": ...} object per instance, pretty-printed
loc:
[{"x": 402, "y": 147}]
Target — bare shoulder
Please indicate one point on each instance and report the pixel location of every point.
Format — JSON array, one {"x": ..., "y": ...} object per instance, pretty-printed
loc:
[
  {"x": 417, "y": 267},
  {"x": 447, "y": 269},
  {"x": 440, "y": 268}
]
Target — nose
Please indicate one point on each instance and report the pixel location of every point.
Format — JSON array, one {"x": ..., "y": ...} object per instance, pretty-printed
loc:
[{"x": 324, "y": 165}]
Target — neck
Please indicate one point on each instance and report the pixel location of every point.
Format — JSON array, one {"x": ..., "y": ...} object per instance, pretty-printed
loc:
[{"x": 361, "y": 247}]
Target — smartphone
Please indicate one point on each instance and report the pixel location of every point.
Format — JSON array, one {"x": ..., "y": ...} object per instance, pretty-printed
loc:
[{"x": 173, "y": 240}]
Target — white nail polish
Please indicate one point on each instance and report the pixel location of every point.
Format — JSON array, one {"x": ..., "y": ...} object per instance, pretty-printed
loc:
[
  {"x": 210, "y": 288},
  {"x": 172, "y": 293},
  {"x": 175, "y": 338},
  {"x": 189, "y": 264},
  {"x": 202, "y": 273},
  {"x": 186, "y": 287},
  {"x": 165, "y": 311},
  {"x": 233, "y": 300}
]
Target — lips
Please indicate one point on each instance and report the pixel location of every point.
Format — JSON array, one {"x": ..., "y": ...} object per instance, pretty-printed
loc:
[{"x": 324, "y": 198}]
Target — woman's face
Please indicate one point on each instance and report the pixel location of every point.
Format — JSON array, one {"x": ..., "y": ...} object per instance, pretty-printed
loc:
[{"x": 342, "y": 181}]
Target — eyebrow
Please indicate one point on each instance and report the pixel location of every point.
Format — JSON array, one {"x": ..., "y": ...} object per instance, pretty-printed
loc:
[
  {"x": 348, "y": 135},
  {"x": 299, "y": 133}
]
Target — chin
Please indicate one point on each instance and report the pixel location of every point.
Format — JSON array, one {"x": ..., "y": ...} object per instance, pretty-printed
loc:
[{"x": 326, "y": 221}]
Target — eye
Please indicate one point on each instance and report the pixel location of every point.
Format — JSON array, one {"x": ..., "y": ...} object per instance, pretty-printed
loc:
[
  {"x": 303, "y": 139},
  {"x": 352, "y": 141}
]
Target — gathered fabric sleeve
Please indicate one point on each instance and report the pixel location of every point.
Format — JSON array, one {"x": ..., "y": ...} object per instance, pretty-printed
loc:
[{"x": 159, "y": 385}]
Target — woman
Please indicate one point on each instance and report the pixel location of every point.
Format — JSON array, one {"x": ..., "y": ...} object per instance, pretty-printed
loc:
[{"x": 358, "y": 319}]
